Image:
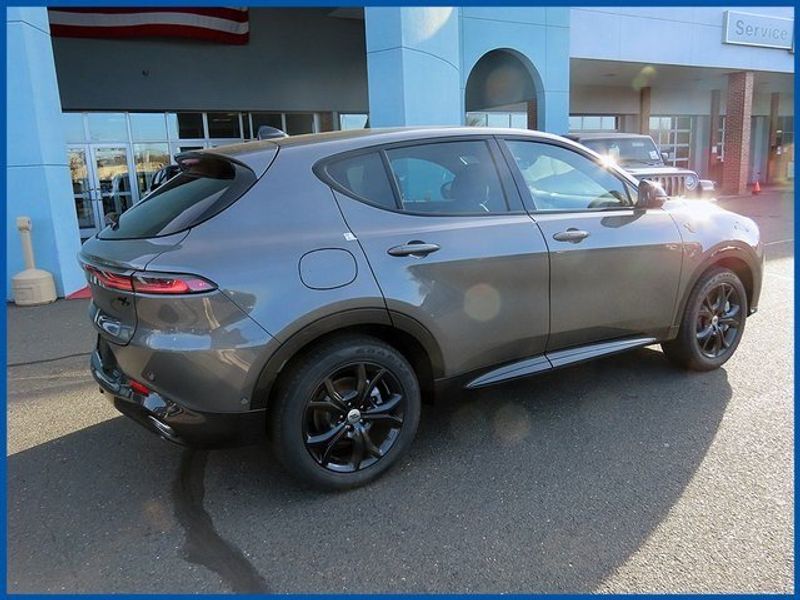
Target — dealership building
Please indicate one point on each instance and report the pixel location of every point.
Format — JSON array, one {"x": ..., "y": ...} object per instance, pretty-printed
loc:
[{"x": 93, "y": 115}]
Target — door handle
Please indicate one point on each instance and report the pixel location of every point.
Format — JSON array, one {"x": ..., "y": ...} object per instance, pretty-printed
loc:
[
  {"x": 571, "y": 235},
  {"x": 414, "y": 248}
]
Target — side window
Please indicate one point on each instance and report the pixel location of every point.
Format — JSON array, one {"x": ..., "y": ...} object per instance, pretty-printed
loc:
[
  {"x": 365, "y": 176},
  {"x": 560, "y": 179},
  {"x": 448, "y": 178}
]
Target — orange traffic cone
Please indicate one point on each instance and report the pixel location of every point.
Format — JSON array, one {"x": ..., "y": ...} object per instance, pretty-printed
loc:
[{"x": 756, "y": 188}]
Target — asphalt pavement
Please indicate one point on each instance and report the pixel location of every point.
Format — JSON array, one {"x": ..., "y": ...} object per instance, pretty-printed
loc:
[{"x": 621, "y": 475}]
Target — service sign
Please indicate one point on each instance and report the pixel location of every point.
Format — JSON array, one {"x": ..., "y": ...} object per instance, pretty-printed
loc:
[{"x": 748, "y": 29}]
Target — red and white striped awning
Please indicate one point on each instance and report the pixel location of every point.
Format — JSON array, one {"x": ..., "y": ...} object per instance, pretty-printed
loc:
[{"x": 224, "y": 25}]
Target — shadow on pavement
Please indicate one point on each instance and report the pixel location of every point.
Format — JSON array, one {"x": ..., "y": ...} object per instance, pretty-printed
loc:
[{"x": 544, "y": 485}]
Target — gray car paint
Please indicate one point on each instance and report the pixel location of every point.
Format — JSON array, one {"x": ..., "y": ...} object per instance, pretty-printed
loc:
[{"x": 499, "y": 291}]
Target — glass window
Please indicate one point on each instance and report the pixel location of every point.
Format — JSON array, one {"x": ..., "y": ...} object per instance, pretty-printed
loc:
[
  {"x": 497, "y": 119},
  {"x": 73, "y": 128},
  {"x": 365, "y": 176},
  {"x": 352, "y": 121},
  {"x": 674, "y": 137},
  {"x": 149, "y": 159},
  {"x": 203, "y": 188},
  {"x": 299, "y": 123},
  {"x": 108, "y": 127},
  {"x": 448, "y": 178},
  {"x": 560, "y": 179},
  {"x": 608, "y": 123},
  {"x": 223, "y": 125},
  {"x": 476, "y": 119},
  {"x": 593, "y": 123},
  {"x": 185, "y": 125},
  {"x": 519, "y": 120},
  {"x": 148, "y": 127},
  {"x": 590, "y": 122}
]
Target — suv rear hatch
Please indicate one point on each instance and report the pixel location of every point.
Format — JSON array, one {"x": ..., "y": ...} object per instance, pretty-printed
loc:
[{"x": 116, "y": 259}]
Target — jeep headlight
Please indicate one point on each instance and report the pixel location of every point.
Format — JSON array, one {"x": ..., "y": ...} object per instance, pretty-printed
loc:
[{"x": 691, "y": 182}]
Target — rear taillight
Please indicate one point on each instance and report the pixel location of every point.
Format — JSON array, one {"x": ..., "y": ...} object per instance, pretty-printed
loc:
[
  {"x": 149, "y": 283},
  {"x": 111, "y": 281},
  {"x": 170, "y": 284}
]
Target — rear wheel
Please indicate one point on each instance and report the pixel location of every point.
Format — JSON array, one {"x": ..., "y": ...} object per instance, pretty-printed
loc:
[
  {"x": 713, "y": 322},
  {"x": 345, "y": 413}
]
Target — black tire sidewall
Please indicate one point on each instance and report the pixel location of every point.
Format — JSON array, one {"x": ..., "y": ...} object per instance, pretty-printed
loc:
[{"x": 307, "y": 375}]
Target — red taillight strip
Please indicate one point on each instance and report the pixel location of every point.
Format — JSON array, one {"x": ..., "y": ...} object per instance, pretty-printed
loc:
[
  {"x": 170, "y": 284},
  {"x": 109, "y": 280},
  {"x": 150, "y": 283}
]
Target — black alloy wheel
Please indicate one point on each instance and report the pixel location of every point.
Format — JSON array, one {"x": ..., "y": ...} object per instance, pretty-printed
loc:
[
  {"x": 354, "y": 417},
  {"x": 345, "y": 411},
  {"x": 712, "y": 324},
  {"x": 718, "y": 320}
]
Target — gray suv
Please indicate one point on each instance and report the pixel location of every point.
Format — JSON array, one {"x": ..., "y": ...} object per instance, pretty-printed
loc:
[{"x": 317, "y": 288}]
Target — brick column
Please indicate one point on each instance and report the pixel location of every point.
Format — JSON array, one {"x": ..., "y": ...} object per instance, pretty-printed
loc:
[
  {"x": 326, "y": 121},
  {"x": 644, "y": 111},
  {"x": 738, "y": 114},
  {"x": 773, "y": 160},
  {"x": 533, "y": 116},
  {"x": 713, "y": 137}
]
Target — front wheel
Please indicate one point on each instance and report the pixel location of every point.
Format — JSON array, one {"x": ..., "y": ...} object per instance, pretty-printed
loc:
[
  {"x": 713, "y": 322},
  {"x": 345, "y": 413}
]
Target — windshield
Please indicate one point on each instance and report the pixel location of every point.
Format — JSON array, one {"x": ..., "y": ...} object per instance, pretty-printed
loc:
[{"x": 631, "y": 151}]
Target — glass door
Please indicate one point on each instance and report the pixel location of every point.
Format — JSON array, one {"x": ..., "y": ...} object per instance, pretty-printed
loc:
[
  {"x": 114, "y": 189},
  {"x": 102, "y": 184},
  {"x": 83, "y": 189}
]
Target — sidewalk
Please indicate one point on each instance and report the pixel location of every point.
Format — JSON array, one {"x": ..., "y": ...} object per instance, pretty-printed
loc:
[{"x": 43, "y": 333}]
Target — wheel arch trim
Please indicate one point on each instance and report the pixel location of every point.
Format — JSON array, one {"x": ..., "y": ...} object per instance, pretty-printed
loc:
[
  {"x": 718, "y": 256},
  {"x": 340, "y": 322}
]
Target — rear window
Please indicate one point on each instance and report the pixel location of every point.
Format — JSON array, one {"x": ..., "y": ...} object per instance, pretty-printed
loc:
[{"x": 204, "y": 187}]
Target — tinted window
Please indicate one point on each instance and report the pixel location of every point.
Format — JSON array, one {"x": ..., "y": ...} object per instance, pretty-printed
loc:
[
  {"x": 628, "y": 152},
  {"x": 223, "y": 125},
  {"x": 204, "y": 187},
  {"x": 448, "y": 178},
  {"x": 365, "y": 176},
  {"x": 560, "y": 179}
]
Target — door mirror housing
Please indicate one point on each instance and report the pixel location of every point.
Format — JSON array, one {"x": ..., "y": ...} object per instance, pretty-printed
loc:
[
  {"x": 651, "y": 195},
  {"x": 665, "y": 156}
]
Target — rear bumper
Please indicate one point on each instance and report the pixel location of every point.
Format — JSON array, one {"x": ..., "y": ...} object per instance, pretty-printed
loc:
[{"x": 174, "y": 422}]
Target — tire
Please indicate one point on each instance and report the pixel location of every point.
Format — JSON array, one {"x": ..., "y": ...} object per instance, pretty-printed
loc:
[
  {"x": 709, "y": 332},
  {"x": 363, "y": 418}
]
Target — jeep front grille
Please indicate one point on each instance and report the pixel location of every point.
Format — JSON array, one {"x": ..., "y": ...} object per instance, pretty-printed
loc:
[{"x": 674, "y": 185}]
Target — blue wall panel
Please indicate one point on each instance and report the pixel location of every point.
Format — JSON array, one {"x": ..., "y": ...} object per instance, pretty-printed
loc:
[
  {"x": 419, "y": 60},
  {"x": 38, "y": 180}
]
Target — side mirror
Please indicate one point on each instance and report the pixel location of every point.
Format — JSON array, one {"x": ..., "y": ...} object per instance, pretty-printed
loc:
[
  {"x": 651, "y": 195},
  {"x": 665, "y": 156}
]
